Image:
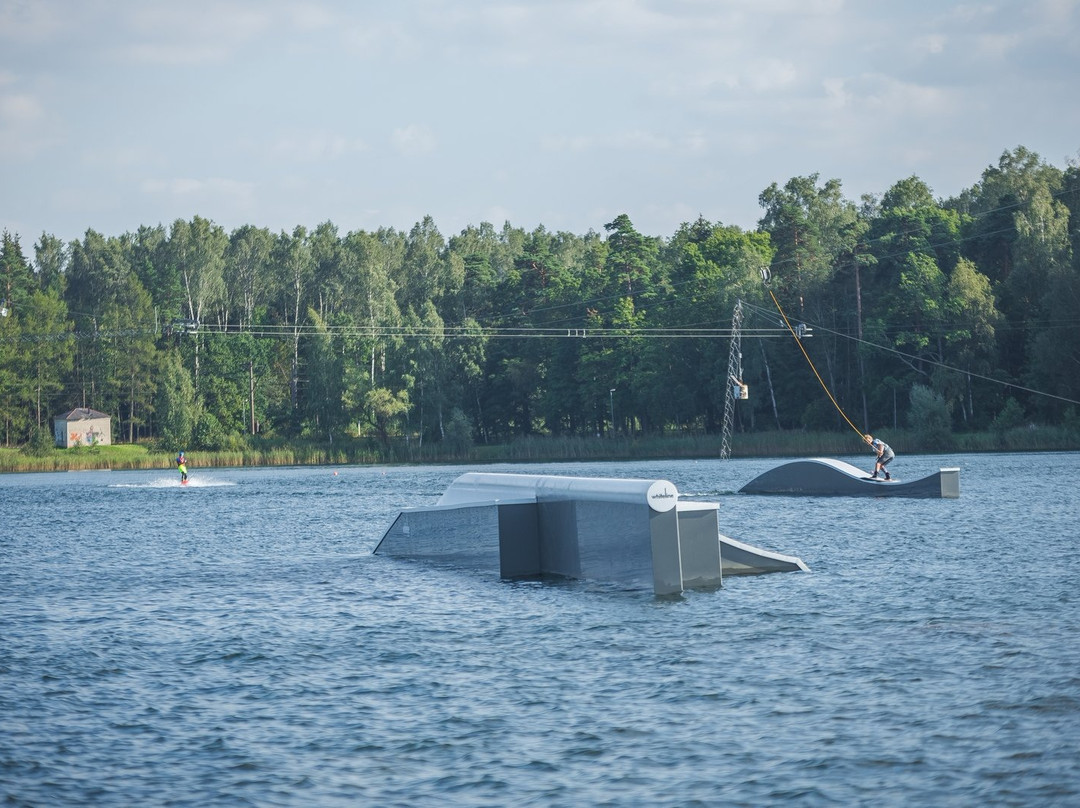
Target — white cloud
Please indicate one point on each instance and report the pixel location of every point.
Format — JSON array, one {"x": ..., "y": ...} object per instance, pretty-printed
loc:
[
  {"x": 309, "y": 16},
  {"x": 771, "y": 75},
  {"x": 1057, "y": 11},
  {"x": 212, "y": 188},
  {"x": 639, "y": 140},
  {"x": 931, "y": 43},
  {"x": 125, "y": 157},
  {"x": 543, "y": 103},
  {"x": 567, "y": 143},
  {"x": 996, "y": 45},
  {"x": 23, "y": 131},
  {"x": 496, "y": 214},
  {"x": 173, "y": 54},
  {"x": 30, "y": 22},
  {"x": 635, "y": 140},
  {"x": 165, "y": 33},
  {"x": 375, "y": 40},
  {"x": 19, "y": 109},
  {"x": 413, "y": 140},
  {"x": 836, "y": 93},
  {"x": 315, "y": 147},
  {"x": 880, "y": 95},
  {"x": 695, "y": 142}
]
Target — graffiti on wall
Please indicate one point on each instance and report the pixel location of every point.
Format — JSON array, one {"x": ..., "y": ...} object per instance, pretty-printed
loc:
[{"x": 88, "y": 438}]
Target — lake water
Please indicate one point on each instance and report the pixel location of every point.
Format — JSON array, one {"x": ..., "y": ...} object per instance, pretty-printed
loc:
[{"x": 235, "y": 642}]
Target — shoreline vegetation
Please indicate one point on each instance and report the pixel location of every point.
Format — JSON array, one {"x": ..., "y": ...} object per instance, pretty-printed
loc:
[
  {"x": 255, "y": 347},
  {"x": 537, "y": 449}
]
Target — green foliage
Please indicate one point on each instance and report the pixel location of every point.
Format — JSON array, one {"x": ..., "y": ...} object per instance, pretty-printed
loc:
[
  {"x": 384, "y": 409},
  {"x": 191, "y": 336},
  {"x": 177, "y": 409},
  {"x": 209, "y": 433},
  {"x": 910, "y": 194},
  {"x": 1010, "y": 417},
  {"x": 458, "y": 437},
  {"x": 1071, "y": 420},
  {"x": 929, "y": 417},
  {"x": 41, "y": 442}
]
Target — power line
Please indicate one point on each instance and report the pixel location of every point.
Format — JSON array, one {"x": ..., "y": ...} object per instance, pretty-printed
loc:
[
  {"x": 933, "y": 362},
  {"x": 802, "y": 348},
  {"x": 410, "y": 332},
  {"x": 507, "y": 332}
]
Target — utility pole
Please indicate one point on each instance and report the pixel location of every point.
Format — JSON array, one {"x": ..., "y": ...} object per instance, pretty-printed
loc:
[{"x": 734, "y": 378}]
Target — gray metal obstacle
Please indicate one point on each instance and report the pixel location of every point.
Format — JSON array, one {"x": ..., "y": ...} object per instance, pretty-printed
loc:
[
  {"x": 634, "y": 532},
  {"x": 825, "y": 477}
]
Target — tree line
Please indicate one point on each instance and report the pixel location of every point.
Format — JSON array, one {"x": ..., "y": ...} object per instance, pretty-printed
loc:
[{"x": 950, "y": 314}]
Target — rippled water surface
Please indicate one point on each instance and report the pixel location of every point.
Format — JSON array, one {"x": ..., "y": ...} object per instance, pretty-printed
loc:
[{"x": 235, "y": 642}]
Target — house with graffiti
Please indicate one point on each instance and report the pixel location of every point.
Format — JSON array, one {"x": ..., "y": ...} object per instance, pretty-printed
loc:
[{"x": 82, "y": 427}]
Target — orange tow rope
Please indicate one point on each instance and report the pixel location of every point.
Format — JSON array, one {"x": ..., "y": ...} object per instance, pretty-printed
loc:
[{"x": 824, "y": 387}]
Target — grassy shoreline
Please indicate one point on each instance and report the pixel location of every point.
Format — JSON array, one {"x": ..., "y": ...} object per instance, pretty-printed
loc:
[{"x": 539, "y": 450}]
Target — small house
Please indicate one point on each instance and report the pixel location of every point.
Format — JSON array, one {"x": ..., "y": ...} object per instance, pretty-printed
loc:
[{"x": 82, "y": 427}]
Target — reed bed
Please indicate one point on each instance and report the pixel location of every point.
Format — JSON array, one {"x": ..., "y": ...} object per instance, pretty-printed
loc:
[{"x": 533, "y": 449}]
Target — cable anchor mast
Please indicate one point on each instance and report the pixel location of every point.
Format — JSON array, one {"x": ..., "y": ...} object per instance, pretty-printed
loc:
[{"x": 734, "y": 388}]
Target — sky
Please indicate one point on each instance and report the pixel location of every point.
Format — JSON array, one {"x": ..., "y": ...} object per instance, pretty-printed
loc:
[{"x": 563, "y": 113}]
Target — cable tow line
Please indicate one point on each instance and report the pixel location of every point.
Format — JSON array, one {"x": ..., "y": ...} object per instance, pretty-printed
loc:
[{"x": 824, "y": 386}]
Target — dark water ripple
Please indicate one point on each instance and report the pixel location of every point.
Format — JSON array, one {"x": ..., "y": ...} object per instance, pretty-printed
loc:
[{"x": 237, "y": 644}]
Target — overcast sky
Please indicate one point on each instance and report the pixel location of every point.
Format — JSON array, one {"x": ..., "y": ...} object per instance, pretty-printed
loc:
[{"x": 562, "y": 113}]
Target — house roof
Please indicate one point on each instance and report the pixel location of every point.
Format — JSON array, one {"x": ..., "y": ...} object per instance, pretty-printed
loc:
[{"x": 82, "y": 414}]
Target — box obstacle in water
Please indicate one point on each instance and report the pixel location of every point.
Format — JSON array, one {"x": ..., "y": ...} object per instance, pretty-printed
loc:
[{"x": 626, "y": 531}]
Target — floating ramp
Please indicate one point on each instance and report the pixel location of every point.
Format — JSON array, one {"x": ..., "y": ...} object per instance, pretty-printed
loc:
[
  {"x": 824, "y": 477},
  {"x": 634, "y": 532}
]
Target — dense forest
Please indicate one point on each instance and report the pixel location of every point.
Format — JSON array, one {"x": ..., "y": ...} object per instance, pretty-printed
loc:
[{"x": 955, "y": 314}]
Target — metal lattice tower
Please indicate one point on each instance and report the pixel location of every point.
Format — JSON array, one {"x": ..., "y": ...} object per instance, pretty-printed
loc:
[{"x": 734, "y": 377}]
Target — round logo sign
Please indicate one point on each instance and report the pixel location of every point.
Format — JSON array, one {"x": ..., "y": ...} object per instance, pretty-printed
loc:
[{"x": 662, "y": 496}]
